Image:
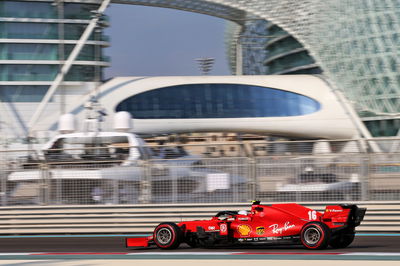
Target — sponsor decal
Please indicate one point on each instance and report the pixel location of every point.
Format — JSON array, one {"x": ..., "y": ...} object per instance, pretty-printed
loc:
[
  {"x": 244, "y": 229},
  {"x": 333, "y": 210},
  {"x": 243, "y": 218},
  {"x": 211, "y": 228},
  {"x": 260, "y": 230},
  {"x": 259, "y": 239},
  {"x": 279, "y": 230},
  {"x": 223, "y": 228}
]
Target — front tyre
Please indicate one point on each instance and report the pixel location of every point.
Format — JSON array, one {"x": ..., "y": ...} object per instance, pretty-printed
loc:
[
  {"x": 315, "y": 235},
  {"x": 167, "y": 236}
]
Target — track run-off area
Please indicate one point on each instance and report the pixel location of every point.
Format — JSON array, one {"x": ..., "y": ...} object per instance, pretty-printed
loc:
[{"x": 111, "y": 250}]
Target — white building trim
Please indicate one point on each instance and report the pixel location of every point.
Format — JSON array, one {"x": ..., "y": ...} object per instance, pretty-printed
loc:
[{"x": 330, "y": 122}]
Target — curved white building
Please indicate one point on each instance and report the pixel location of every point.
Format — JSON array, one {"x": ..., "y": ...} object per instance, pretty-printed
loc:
[{"x": 301, "y": 106}]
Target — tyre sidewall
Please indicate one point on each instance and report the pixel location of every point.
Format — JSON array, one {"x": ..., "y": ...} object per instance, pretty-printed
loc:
[
  {"x": 175, "y": 235},
  {"x": 324, "y": 232}
]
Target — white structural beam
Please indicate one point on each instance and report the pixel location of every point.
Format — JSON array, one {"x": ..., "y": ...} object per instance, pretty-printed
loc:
[{"x": 66, "y": 67}]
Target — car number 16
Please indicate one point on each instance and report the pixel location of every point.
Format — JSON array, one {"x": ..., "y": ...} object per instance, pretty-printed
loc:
[{"x": 312, "y": 215}]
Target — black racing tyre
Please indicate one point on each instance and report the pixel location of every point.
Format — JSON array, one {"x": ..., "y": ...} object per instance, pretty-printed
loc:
[
  {"x": 343, "y": 239},
  {"x": 167, "y": 236},
  {"x": 315, "y": 235}
]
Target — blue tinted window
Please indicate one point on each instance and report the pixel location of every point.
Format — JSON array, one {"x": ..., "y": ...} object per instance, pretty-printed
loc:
[
  {"x": 27, "y": 9},
  {"x": 216, "y": 101},
  {"x": 22, "y": 93}
]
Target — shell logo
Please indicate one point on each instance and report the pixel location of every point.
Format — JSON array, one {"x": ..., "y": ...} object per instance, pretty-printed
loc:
[{"x": 244, "y": 229}]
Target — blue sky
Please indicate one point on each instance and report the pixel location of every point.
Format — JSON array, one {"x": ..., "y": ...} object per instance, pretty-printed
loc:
[{"x": 149, "y": 41}]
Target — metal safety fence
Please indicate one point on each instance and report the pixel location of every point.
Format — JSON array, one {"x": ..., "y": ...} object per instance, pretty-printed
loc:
[{"x": 194, "y": 173}]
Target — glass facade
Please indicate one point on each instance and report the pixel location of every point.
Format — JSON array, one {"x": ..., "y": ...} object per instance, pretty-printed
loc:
[
  {"x": 287, "y": 64},
  {"x": 41, "y": 51},
  {"x": 22, "y": 93},
  {"x": 44, "y": 73},
  {"x": 26, "y": 9},
  {"x": 31, "y": 21},
  {"x": 22, "y": 30},
  {"x": 268, "y": 49},
  {"x": 354, "y": 43},
  {"x": 217, "y": 101},
  {"x": 17, "y": 30},
  {"x": 384, "y": 127},
  {"x": 78, "y": 10},
  {"x": 22, "y": 9},
  {"x": 28, "y": 51}
]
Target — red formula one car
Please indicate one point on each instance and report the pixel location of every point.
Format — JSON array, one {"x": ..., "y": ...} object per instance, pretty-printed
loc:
[{"x": 276, "y": 223}]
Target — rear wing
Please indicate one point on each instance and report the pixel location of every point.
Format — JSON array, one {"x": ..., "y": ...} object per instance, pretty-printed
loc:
[
  {"x": 344, "y": 214},
  {"x": 356, "y": 214}
]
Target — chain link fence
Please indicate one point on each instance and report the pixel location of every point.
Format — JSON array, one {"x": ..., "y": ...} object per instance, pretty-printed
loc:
[{"x": 201, "y": 173}]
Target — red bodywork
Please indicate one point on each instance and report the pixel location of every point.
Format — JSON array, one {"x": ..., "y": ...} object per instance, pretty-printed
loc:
[{"x": 263, "y": 223}]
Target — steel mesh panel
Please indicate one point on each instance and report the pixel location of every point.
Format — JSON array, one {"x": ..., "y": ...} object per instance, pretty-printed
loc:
[
  {"x": 281, "y": 171},
  {"x": 384, "y": 177},
  {"x": 323, "y": 178}
]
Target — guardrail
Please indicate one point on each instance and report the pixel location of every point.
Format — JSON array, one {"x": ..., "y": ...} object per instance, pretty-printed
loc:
[{"x": 381, "y": 217}]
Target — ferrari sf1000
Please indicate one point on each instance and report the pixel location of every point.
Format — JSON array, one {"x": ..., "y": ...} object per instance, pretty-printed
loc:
[{"x": 276, "y": 223}]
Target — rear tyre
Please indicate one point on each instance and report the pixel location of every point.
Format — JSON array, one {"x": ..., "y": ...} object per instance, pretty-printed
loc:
[
  {"x": 167, "y": 236},
  {"x": 315, "y": 235},
  {"x": 342, "y": 240}
]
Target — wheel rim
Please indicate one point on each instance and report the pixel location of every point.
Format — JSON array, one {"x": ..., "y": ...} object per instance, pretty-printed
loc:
[
  {"x": 164, "y": 236},
  {"x": 312, "y": 236}
]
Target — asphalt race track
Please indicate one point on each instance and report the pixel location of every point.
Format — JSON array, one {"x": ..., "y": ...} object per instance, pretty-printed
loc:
[
  {"x": 366, "y": 250},
  {"x": 116, "y": 244}
]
